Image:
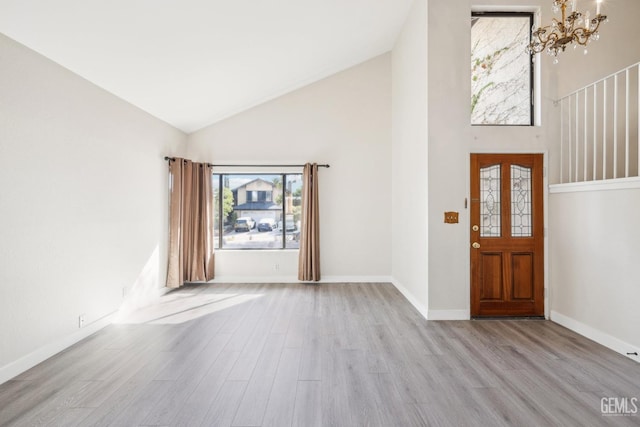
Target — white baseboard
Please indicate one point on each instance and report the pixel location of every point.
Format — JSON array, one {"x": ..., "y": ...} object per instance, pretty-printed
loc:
[
  {"x": 596, "y": 335},
  {"x": 414, "y": 302},
  {"x": 431, "y": 314},
  {"x": 254, "y": 279},
  {"x": 27, "y": 362},
  {"x": 292, "y": 279},
  {"x": 449, "y": 315},
  {"x": 356, "y": 279}
]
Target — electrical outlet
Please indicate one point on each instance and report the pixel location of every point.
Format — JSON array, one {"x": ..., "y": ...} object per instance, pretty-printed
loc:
[
  {"x": 276, "y": 267},
  {"x": 81, "y": 321}
]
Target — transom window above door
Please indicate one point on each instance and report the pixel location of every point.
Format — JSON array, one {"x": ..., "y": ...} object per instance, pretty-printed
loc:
[{"x": 501, "y": 69}]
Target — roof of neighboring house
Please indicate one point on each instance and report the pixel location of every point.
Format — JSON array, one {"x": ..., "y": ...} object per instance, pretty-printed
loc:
[
  {"x": 257, "y": 206},
  {"x": 252, "y": 181}
]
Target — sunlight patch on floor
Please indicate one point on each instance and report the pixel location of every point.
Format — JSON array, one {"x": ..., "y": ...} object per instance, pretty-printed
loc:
[{"x": 179, "y": 307}]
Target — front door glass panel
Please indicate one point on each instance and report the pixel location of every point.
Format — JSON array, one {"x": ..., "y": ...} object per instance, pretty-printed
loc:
[
  {"x": 490, "y": 201},
  {"x": 520, "y": 201}
]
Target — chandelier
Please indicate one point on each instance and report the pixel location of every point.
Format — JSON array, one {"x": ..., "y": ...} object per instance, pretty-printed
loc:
[{"x": 575, "y": 27}]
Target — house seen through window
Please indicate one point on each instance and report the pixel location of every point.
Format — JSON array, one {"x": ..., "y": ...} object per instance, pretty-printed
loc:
[
  {"x": 501, "y": 69},
  {"x": 257, "y": 211}
]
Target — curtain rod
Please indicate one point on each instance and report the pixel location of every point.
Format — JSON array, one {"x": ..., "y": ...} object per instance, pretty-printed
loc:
[{"x": 171, "y": 159}]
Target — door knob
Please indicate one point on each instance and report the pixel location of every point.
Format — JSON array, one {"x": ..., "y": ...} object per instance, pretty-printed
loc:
[
  {"x": 475, "y": 245},
  {"x": 475, "y": 228}
]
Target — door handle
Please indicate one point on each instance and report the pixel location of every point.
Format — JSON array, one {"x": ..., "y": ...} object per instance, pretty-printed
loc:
[{"x": 475, "y": 245}]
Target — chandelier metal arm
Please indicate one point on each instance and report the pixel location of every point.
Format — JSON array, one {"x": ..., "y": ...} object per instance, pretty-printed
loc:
[{"x": 557, "y": 36}]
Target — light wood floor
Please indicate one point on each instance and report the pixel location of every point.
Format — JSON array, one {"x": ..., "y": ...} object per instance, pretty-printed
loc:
[{"x": 327, "y": 355}]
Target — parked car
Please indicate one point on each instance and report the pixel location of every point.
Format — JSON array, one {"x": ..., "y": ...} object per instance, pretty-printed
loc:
[
  {"x": 244, "y": 224},
  {"x": 267, "y": 224},
  {"x": 291, "y": 225}
]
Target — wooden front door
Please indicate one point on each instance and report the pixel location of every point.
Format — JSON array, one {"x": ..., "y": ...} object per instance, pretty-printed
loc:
[{"x": 507, "y": 235}]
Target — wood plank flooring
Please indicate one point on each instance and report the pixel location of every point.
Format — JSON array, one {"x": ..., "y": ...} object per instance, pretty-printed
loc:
[{"x": 319, "y": 355}]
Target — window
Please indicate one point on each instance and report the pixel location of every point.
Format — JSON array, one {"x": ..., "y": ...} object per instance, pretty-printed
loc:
[
  {"x": 257, "y": 211},
  {"x": 259, "y": 196},
  {"x": 501, "y": 69}
]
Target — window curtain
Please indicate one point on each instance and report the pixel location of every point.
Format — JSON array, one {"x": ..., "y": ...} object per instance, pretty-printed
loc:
[
  {"x": 191, "y": 257},
  {"x": 309, "y": 257}
]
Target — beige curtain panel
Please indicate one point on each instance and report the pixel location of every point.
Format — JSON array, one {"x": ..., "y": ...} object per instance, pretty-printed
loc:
[
  {"x": 191, "y": 209},
  {"x": 309, "y": 261}
]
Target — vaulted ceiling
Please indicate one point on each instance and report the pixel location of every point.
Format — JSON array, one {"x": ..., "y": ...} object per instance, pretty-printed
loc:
[{"x": 194, "y": 62}]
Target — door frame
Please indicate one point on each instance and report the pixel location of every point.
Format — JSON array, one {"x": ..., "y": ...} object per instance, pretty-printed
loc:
[{"x": 545, "y": 197}]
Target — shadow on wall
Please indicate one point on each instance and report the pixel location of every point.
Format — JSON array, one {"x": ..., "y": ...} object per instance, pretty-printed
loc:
[{"x": 145, "y": 290}]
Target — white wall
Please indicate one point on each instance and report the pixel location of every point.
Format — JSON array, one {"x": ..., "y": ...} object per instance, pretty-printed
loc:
[
  {"x": 83, "y": 202},
  {"x": 343, "y": 120},
  {"x": 409, "y": 159},
  {"x": 594, "y": 248},
  {"x": 451, "y": 139},
  {"x": 431, "y": 148},
  {"x": 593, "y": 234}
]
